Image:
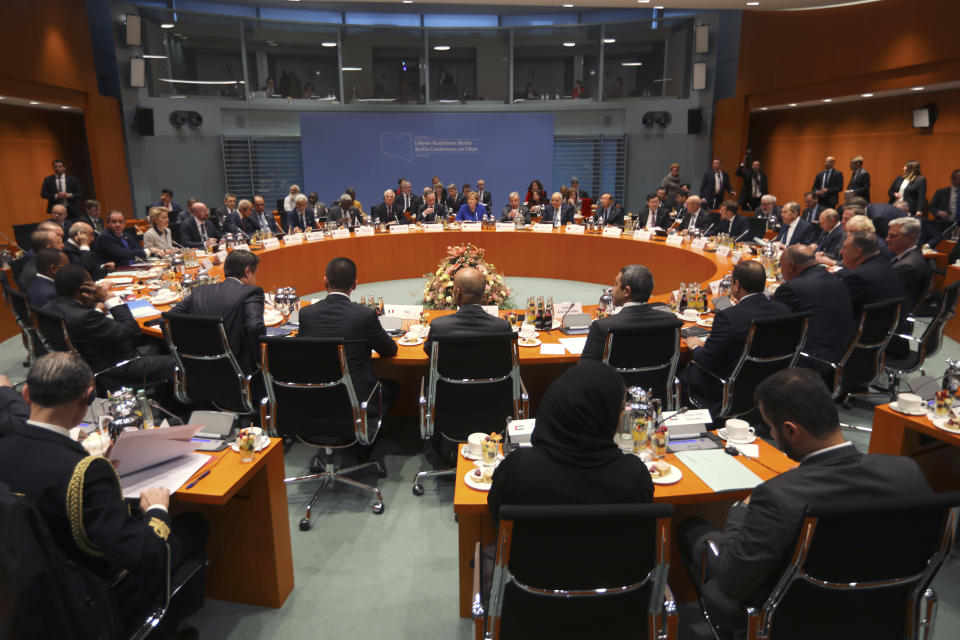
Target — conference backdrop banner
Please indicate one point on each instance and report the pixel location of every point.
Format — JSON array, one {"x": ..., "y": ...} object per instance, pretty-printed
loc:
[{"x": 371, "y": 151}]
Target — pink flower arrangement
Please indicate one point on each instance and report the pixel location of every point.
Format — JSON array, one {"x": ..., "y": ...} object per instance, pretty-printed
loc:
[{"x": 438, "y": 289}]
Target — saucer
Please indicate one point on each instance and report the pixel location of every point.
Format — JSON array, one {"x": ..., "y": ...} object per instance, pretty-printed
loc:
[
  {"x": 262, "y": 443},
  {"x": 685, "y": 319},
  {"x": 722, "y": 432},
  {"x": 673, "y": 477},
  {"x": 922, "y": 411},
  {"x": 534, "y": 343},
  {"x": 475, "y": 483},
  {"x": 404, "y": 343},
  {"x": 466, "y": 453},
  {"x": 705, "y": 322}
]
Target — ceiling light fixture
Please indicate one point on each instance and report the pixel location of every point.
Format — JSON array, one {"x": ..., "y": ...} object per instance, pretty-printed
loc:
[
  {"x": 609, "y": 40},
  {"x": 64, "y": 107},
  {"x": 569, "y": 44},
  {"x": 442, "y": 47},
  {"x": 353, "y": 68},
  {"x": 658, "y": 7},
  {"x": 568, "y": 5},
  {"x": 916, "y": 88},
  {"x": 34, "y": 102},
  {"x": 828, "y": 99},
  {"x": 153, "y": 57},
  {"x": 753, "y": 4},
  {"x": 407, "y": 1},
  {"x": 763, "y": 108},
  {"x": 631, "y": 63},
  {"x": 643, "y": 1},
  {"x": 792, "y": 104},
  {"x": 328, "y": 44},
  {"x": 175, "y": 81},
  {"x": 167, "y": 25},
  {"x": 866, "y": 95}
]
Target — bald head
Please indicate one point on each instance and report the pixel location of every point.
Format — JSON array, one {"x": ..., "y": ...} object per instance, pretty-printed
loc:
[
  {"x": 468, "y": 286},
  {"x": 796, "y": 259}
]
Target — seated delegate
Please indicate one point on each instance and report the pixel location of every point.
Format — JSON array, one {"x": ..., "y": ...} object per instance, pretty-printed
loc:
[{"x": 472, "y": 211}]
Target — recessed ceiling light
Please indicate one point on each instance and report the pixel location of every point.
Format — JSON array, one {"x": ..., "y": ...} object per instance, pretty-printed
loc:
[
  {"x": 792, "y": 104},
  {"x": 568, "y": 5},
  {"x": 916, "y": 88},
  {"x": 442, "y": 47},
  {"x": 64, "y": 107},
  {"x": 153, "y": 57},
  {"x": 643, "y": 1},
  {"x": 753, "y": 4},
  {"x": 328, "y": 44},
  {"x": 866, "y": 95},
  {"x": 34, "y": 102},
  {"x": 167, "y": 25},
  {"x": 632, "y": 63},
  {"x": 828, "y": 99},
  {"x": 407, "y": 1},
  {"x": 569, "y": 44},
  {"x": 353, "y": 68},
  {"x": 3, "y": 97},
  {"x": 609, "y": 40},
  {"x": 763, "y": 108},
  {"x": 659, "y": 6}
]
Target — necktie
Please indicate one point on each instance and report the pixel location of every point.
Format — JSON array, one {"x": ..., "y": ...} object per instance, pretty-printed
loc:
[
  {"x": 203, "y": 232},
  {"x": 123, "y": 241},
  {"x": 60, "y": 185},
  {"x": 826, "y": 176},
  {"x": 303, "y": 221},
  {"x": 719, "y": 183}
]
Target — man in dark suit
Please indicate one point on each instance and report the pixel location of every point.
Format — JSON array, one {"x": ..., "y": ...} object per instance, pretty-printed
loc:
[
  {"x": 78, "y": 248},
  {"x": 90, "y": 215},
  {"x": 579, "y": 194},
  {"x": 558, "y": 210},
  {"x": 483, "y": 196},
  {"x": 219, "y": 215},
  {"x": 859, "y": 184},
  {"x": 431, "y": 210},
  {"x": 812, "y": 208},
  {"x": 233, "y": 223},
  {"x": 720, "y": 352},
  {"x": 761, "y": 530},
  {"x": 117, "y": 243},
  {"x": 79, "y": 498},
  {"x": 410, "y": 203},
  {"x": 265, "y": 219},
  {"x": 880, "y": 213},
  {"x": 345, "y": 213},
  {"x": 14, "y": 410},
  {"x": 828, "y": 184},
  {"x": 945, "y": 203},
  {"x": 166, "y": 201},
  {"x": 336, "y": 316},
  {"x": 795, "y": 230},
  {"x": 102, "y": 339},
  {"x": 694, "y": 216},
  {"x": 714, "y": 185},
  {"x": 455, "y": 200},
  {"x": 196, "y": 230},
  {"x": 45, "y": 236},
  {"x": 754, "y": 184},
  {"x": 301, "y": 218},
  {"x": 58, "y": 216},
  {"x": 238, "y": 301},
  {"x": 731, "y": 222},
  {"x": 631, "y": 290},
  {"x": 61, "y": 189},
  {"x": 515, "y": 208},
  {"x": 388, "y": 212},
  {"x": 768, "y": 209},
  {"x": 41, "y": 288},
  {"x": 831, "y": 235},
  {"x": 908, "y": 262},
  {"x": 607, "y": 212},
  {"x": 470, "y": 318},
  {"x": 809, "y": 288},
  {"x": 249, "y": 224},
  {"x": 654, "y": 214}
]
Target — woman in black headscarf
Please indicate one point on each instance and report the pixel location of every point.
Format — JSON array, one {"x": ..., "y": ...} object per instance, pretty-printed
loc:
[{"x": 574, "y": 459}]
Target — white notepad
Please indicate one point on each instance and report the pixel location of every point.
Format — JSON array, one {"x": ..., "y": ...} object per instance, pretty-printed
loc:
[{"x": 719, "y": 470}]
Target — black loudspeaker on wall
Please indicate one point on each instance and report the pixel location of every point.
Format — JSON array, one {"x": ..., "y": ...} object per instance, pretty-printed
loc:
[
  {"x": 143, "y": 118},
  {"x": 694, "y": 121}
]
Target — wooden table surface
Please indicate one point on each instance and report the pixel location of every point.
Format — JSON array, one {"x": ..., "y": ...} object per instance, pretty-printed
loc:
[{"x": 935, "y": 450}]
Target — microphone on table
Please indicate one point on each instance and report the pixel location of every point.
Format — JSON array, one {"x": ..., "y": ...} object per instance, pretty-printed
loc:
[
  {"x": 176, "y": 244},
  {"x": 741, "y": 235},
  {"x": 942, "y": 233},
  {"x": 707, "y": 230}
]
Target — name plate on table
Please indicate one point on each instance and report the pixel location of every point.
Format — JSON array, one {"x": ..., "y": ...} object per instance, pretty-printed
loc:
[
  {"x": 293, "y": 238},
  {"x": 723, "y": 251},
  {"x": 242, "y": 247},
  {"x": 400, "y": 228},
  {"x": 506, "y": 226},
  {"x": 699, "y": 243},
  {"x": 220, "y": 256},
  {"x": 315, "y": 236},
  {"x": 611, "y": 232},
  {"x": 341, "y": 233},
  {"x": 641, "y": 234},
  {"x": 576, "y": 229},
  {"x": 715, "y": 287},
  {"x": 433, "y": 227},
  {"x": 543, "y": 227},
  {"x": 676, "y": 240},
  {"x": 271, "y": 243},
  {"x": 735, "y": 257},
  {"x": 365, "y": 231},
  {"x": 471, "y": 226}
]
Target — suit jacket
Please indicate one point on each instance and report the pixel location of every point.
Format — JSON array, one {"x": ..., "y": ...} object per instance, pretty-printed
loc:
[
  {"x": 382, "y": 213},
  {"x": 335, "y": 213},
  {"x": 813, "y": 214},
  {"x": 612, "y": 215},
  {"x": 860, "y": 184},
  {"x": 661, "y": 218},
  {"x": 823, "y": 295},
  {"x": 746, "y": 191},
  {"x": 758, "y": 539},
  {"x": 636, "y": 315},
  {"x": 49, "y": 191},
  {"x": 941, "y": 202},
  {"x": 915, "y": 194},
  {"x": 271, "y": 221},
  {"x": 28, "y": 271},
  {"x": 522, "y": 211},
  {"x": 830, "y": 242},
  {"x": 232, "y": 223},
  {"x": 190, "y": 233},
  {"x": 834, "y": 185},
  {"x": 882, "y": 214},
  {"x": 415, "y": 203},
  {"x": 705, "y": 221},
  {"x": 305, "y": 223},
  {"x": 40, "y": 291},
  {"x": 336, "y": 316},
  {"x": 96, "y": 223},
  {"x": 733, "y": 227},
  {"x": 804, "y": 233},
  {"x": 40, "y": 463},
  {"x": 486, "y": 200},
  {"x": 219, "y": 217},
  {"x": 123, "y": 250},
  {"x": 873, "y": 281},
  {"x": 708, "y": 188},
  {"x": 14, "y": 410},
  {"x": 439, "y": 213},
  {"x": 250, "y": 225},
  {"x": 469, "y": 320},
  {"x": 241, "y": 308},
  {"x": 102, "y": 340},
  {"x": 910, "y": 265},
  {"x": 729, "y": 333},
  {"x": 567, "y": 212}
]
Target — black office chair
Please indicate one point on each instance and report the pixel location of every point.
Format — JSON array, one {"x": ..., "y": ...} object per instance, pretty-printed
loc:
[
  {"x": 772, "y": 344},
  {"x": 928, "y": 343},
  {"x": 206, "y": 368},
  {"x": 174, "y": 579},
  {"x": 21, "y": 233},
  {"x": 473, "y": 385},
  {"x": 579, "y": 571},
  {"x": 647, "y": 357},
  {"x": 310, "y": 396},
  {"x": 28, "y": 328},
  {"x": 863, "y": 568}
]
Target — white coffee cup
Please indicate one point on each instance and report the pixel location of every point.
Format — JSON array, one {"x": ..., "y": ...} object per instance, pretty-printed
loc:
[
  {"x": 738, "y": 429},
  {"x": 418, "y": 329},
  {"x": 690, "y": 315},
  {"x": 475, "y": 443},
  {"x": 909, "y": 402},
  {"x": 528, "y": 331}
]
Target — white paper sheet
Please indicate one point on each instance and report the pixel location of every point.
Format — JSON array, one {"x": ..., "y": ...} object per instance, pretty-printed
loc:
[
  {"x": 574, "y": 345},
  {"x": 719, "y": 470},
  {"x": 749, "y": 450},
  {"x": 170, "y": 475},
  {"x": 550, "y": 349},
  {"x": 139, "y": 449}
]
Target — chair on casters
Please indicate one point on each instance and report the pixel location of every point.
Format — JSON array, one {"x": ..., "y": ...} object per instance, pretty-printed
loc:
[
  {"x": 310, "y": 396},
  {"x": 772, "y": 344},
  {"x": 173, "y": 581},
  {"x": 473, "y": 385},
  {"x": 28, "y": 326},
  {"x": 561, "y": 572},
  {"x": 206, "y": 369},
  {"x": 842, "y": 569},
  {"x": 647, "y": 357}
]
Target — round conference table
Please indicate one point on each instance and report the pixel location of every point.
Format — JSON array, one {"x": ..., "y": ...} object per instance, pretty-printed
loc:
[{"x": 589, "y": 257}]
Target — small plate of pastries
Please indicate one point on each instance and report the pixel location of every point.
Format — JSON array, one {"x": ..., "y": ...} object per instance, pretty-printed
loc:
[
  {"x": 663, "y": 472},
  {"x": 479, "y": 479}
]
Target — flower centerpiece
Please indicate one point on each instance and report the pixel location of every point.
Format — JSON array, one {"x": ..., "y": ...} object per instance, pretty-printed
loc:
[{"x": 438, "y": 289}]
